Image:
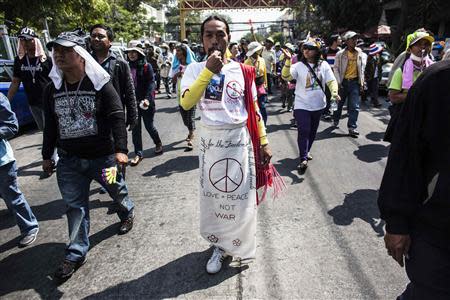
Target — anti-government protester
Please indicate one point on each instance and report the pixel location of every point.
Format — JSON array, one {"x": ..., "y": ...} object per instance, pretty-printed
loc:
[
  {"x": 415, "y": 190},
  {"x": 84, "y": 118},
  {"x": 232, "y": 141},
  {"x": 349, "y": 69},
  {"x": 9, "y": 190},
  {"x": 31, "y": 67},
  {"x": 143, "y": 79},
  {"x": 101, "y": 38}
]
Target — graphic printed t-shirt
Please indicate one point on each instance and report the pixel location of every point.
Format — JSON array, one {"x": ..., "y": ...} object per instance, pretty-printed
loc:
[
  {"x": 83, "y": 120},
  {"x": 308, "y": 94},
  {"x": 25, "y": 69},
  {"x": 223, "y": 100},
  {"x": 352, "y": 69}
]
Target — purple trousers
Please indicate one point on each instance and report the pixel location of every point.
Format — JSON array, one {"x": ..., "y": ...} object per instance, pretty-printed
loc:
[{"x": 307, "y": 125}]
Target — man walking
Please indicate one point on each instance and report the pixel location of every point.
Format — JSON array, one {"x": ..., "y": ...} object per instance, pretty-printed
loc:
[
  {"x": 415, "y": 190},
  {"x": 84, "y": 118},
  {"x": 9, "y": 191},
  {"x": 349, "y": 72},
  {"x": 165, "y": 64},
  {"x": 269, "y": 58},
  {"x": 102, "y": 37},
  {"x": 31, "y": 67},
  {"x": 229, "y": 150}
]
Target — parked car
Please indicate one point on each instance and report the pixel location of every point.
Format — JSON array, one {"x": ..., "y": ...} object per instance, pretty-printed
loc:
[
  {"x": 385, "y": 70},
  {"x": 20, "y": 103}
]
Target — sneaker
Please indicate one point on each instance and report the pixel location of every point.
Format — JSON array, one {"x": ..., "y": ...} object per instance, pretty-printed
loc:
[
  {"x": 336, "y": 124},
  {"x": 127, "y": 224},
  {"x": 283, "y": 105},
  {"x": 309, "y": 156},
  {"x": 136, "y": 160},
  {"x": 289, "y": 110},
  {"x": 68, "y": 267},
  {"x": 327, "y": 117},
  {"x": 303, "y": 166},
  {"x": 159, "y": 148},
  {"x": 29, "y": 238},
  {"x": 215, "y": 262},
  {"x": 169, "y": 96},
  {"x": 353, "y": 132}
]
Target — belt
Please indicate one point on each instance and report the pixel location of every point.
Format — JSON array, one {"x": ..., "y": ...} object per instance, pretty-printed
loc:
[{"x": 351, "y": 79}]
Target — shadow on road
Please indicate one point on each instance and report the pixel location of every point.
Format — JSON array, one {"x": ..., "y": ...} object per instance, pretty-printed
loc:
[
  {"x": 288, "y": 168},
  {"x": 275, "y": 127},
  {"x": 149, "y": 153},
  {"x": 179, "y": 164},
  {"x": 375, "y": 136},
  {"x": 25, "y": 170},
  {"x": 33, "y": 267},
  {"x": 360, "y": 204},
  {"x": 328, "y": 133},
  {"x": 371, "y": 153},
  {"x": 168, "y": 110},
  {"x": 38, "y": 146},
  {"x": 179, "y": 277},
  {"x": 52, "y": 210}
]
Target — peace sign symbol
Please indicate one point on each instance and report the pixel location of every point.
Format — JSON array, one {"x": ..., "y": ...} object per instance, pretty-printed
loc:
[{"x": 226, "y": 175}]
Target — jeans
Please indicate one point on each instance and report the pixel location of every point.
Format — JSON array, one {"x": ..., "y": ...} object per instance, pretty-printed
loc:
[
  {"x": 188, "y": 117},
  {"x": 166, "y": 81},
  {"x": 74, "y": 177},
  {"x": 262, "y": 107},
  {"x": 14, "y": 199},
  {"x": 307, "y": 125},
  {"x": 350, "y": 92},
  {"x": 38, "y": 116},
  {"x": 148, "y": 117}
]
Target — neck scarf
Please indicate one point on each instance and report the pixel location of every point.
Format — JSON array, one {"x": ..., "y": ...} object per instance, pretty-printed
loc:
[
  {"x": 408, "y": 71},
  {"x": 98, "y": 76},
  {"x": 38, "y": 49}
]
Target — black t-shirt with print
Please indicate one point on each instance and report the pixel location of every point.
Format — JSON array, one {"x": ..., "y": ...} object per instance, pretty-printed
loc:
[
  {"x": 85, "y": 123},
  {"x": 24, "y": 70}
]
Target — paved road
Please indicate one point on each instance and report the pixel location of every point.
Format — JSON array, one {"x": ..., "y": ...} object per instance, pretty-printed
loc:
[{"x": 323, "y": 240}]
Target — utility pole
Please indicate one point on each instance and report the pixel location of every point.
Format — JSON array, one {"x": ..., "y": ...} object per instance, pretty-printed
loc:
[{"x": 182, "y": 21}]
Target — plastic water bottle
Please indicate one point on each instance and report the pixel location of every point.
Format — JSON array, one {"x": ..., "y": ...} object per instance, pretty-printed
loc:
[{"x": 333, "y": 106}]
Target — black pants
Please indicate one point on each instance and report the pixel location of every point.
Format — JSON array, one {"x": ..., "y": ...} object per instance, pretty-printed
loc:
[
  {"x": 428, "y": 269},
  {"x": 269, "y": 83}
]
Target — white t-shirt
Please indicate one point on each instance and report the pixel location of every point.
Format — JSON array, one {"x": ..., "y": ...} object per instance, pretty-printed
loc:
[
  {"x": 223, "y": 100},
  {"x": 308, "y": 94}
]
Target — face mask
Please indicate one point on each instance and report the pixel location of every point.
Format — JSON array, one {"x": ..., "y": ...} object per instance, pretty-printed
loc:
[{"x": 417, "y": 58}]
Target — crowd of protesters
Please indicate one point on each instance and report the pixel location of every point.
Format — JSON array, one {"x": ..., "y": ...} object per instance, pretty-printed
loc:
[{"x": 84, "y": 101}]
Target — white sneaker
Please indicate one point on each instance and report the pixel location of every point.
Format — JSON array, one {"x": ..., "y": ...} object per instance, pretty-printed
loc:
[{"x": 215, "y": 262}]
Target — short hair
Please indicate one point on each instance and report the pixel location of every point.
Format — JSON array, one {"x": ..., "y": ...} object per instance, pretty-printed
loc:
[
  {"x": 215, "y": 18},
  {"x": 232, "y": 44},
  {"x": 109, "y": 31},
  {"x": 333, "y": 38}
]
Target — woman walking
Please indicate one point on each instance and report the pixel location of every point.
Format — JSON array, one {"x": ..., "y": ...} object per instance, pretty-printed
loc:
[
  {"x": 143, "y": 79},
  {"x": 183, "y": 57},
  {"x": 310, "y": 99}
]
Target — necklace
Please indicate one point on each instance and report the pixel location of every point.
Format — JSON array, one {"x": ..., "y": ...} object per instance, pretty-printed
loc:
[
  {"x": 32, "y": 70},
  {"x": 76, "y": 92}
]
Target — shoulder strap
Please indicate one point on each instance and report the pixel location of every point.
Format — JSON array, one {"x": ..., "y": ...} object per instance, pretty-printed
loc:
[{"x": 315, "y": 76}]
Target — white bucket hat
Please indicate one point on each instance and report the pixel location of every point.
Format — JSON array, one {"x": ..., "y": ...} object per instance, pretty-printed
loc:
[{"x": 253, "y": 47}]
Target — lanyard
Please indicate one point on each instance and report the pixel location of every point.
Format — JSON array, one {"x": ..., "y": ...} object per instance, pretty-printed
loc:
[
  {"x": 76, "y": 93},
  {"x": 32, "y": 71}
]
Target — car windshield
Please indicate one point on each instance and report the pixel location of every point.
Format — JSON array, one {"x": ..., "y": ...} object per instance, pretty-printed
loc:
[{"x": 5, "y": 72}]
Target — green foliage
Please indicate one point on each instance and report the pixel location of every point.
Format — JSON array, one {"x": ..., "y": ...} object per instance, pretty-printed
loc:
[{"x": 126, "y": 17}]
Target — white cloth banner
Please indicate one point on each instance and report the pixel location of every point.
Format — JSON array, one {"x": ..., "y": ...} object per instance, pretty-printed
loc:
[{"x": 228, "y": 189}]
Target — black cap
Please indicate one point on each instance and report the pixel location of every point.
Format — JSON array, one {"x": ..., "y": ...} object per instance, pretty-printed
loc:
[
  {"x": 27, "y": 33},
  {"x": 68, "y": 39}
]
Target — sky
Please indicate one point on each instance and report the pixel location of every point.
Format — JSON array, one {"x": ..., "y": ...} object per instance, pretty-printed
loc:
[{"x": 243, "y": 15}]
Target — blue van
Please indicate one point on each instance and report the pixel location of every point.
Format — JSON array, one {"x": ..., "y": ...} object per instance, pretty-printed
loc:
[{"x": 20, "y": 103}]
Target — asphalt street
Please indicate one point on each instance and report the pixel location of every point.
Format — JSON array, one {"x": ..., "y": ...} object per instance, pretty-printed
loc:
[{"x": 321, "y": 240}]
